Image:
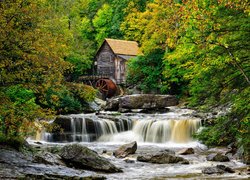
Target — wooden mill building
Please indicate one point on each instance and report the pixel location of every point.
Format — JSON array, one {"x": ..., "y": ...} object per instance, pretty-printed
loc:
[{"x": 112, "y": 56}]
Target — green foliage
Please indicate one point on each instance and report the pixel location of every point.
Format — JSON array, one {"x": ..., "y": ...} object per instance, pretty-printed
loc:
[
  {"x": 83, "y": 92},
  {"x": 61, "y": 100},
  {"x": 35, "y": 39},
  {"x": 206, "y": 58},
  {"x": 146, "y": 71},
  {"x": 69, "y": 98},
  {"x": 219, "y": 134},
  {"x": 18, "y": 111}
]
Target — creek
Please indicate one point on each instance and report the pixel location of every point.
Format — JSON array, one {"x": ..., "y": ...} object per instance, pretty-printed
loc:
[{"x": 106, "y": 131}]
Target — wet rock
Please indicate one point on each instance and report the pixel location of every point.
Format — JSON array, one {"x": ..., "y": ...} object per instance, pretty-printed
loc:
[
  {"x": 126, "y": 149},
  {"x": 83, "y": 158},
  {"x": 129, "y": 160},
  {"x": 162, "y": 158},
  {"x": 92, "y": 107},
  {"x": 48, "y": 158},
  {"x": 217, "y": 157},
  {"x": 64, "y": 122},
  {"x": 147, "y": 101},
  {"x": 186, "y": 151},
  {"x": 212, "y": 170},
  {"x": 219, "y": 169},
  {"x": 100, "y": 102},
  {"x": 225, "y": 168},
  {"x": 112, "y": 104},
  {"x": 123, "y": 110},
  {"x": 17, "y": 165},
  {"x": 168, "y": 151}
]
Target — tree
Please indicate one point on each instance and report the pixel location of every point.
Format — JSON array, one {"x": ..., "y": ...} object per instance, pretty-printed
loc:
[{"x": 212, "y": 58}]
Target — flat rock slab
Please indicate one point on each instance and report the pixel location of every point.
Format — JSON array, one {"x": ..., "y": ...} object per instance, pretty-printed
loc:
[
  {"x": 141, "y": 101},
  {"x": 147, "y": 101},
  {"x": 82, "y": 157},
  {"x": 162, "y": 158}
]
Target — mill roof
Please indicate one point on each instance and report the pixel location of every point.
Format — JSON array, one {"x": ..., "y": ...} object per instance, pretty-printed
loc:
[{"x": 123, "y": 47}]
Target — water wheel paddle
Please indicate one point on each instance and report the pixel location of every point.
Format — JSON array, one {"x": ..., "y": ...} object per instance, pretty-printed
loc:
[{"x": 107, "y": 87}]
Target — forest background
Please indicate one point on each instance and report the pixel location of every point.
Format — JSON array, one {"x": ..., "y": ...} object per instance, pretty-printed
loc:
[{"x": 197, "y": 50}]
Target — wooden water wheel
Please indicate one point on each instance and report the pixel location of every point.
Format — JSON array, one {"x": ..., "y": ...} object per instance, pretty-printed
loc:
[{"x": 107, "y": 87}]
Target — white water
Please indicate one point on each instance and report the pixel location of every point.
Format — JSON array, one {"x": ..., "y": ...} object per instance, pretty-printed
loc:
[
  {"x": 153, "y": 133},
  {"x": 175, "y": 126}
]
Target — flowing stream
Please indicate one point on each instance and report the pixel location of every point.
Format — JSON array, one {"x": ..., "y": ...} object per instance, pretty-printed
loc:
[{"x": 173, "y": 130}]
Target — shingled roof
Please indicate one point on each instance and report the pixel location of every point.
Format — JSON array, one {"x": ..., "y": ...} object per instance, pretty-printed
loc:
[{"x": 123, "y": 47}]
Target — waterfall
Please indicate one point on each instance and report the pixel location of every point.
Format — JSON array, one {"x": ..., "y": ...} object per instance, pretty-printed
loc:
[
  {"x": 153, "y": 131},
  {"x": 162, "y": 131},
  {"x": 150, "y": 128},
  {"x": 79, "y": 128},
  {"x": 183, "y": 130}
]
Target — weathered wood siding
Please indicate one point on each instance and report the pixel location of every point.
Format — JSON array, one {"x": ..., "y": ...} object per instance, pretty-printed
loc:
[
  {"x": 120, "y": 66},
  {"x": 105, "y": 61},
  {"x": 111, "y": 65}
]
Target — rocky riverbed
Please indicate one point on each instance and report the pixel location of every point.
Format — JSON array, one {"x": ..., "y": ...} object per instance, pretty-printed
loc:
[
  {"x": 47, "y": 161},
  {"x": 115, "y": 145}
]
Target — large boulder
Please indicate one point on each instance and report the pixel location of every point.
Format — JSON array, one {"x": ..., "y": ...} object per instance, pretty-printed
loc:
[
  {"x": 126, "y": 149},
  {"x": 82, "y": 157},
  {"x": 217, "y": 157},
  {"x": 147, "y": 101},
  {"x": 162, "y": 158},
  {"x": 141, "y": 101},
  {"x": 48, "y": 158}
]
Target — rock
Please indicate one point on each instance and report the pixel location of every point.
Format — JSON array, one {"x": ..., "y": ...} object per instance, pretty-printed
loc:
[
  {"x": 83, "y": 158},
  {"x": 162, "y": 158},
  {"x": 129, "y": 160},
  {"x": 219, "y": 169},
  {"x": 20, "y": 165},
  {"x": 212, "y": 170},
  {"x": 141, "y": 101},
  {"x": 123, "y": 110},
  {"x": 225, "y": 168},
  {"x": 92, "y": 107},
  {"x": 217, "y": 157},
  {"x": 48, "y": 158},
  {"x": 168, "y": 151},
  {"x": 64, "y": 122},
  {"x": 100, "y": 102},
  {"x": 186, "y": 151},
  {"x": 243, "y": 154},
  {"x": 147, "y": 101},
  {"x": 125, "y": 150},
  {"x": 112, "y": 104}
]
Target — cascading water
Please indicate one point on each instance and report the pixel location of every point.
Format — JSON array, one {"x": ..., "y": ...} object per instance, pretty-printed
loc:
[
  {"x": 153, "y": 133},
  {"x": 161, "y": 128},
  {"x": 85, "y": 128}
]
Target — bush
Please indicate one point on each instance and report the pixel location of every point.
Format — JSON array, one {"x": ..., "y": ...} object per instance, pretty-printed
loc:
[
  {"x": 18, "y": 112},
  {"x": 69, "y": 98},
  {"x": 146, "y": 71}
]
